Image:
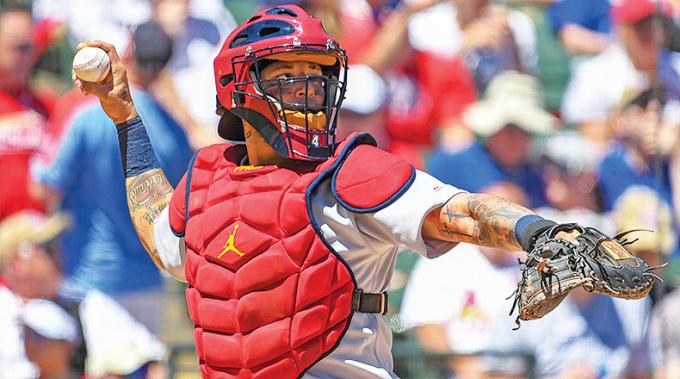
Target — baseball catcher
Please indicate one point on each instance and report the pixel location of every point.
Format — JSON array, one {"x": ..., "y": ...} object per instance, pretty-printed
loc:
[{"x": 288, "y": 240}]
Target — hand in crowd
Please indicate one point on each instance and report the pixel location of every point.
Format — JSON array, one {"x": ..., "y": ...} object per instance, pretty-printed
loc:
[
  {"x": 489, "y": 30},
  {"x": 171, "y": 15},
  {"x": 114, "y": 91},
  {"x": 649, "y": 130}
]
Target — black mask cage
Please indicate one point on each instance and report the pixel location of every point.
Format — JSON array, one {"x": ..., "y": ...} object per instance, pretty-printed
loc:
[{"x": 318, "y": 99}]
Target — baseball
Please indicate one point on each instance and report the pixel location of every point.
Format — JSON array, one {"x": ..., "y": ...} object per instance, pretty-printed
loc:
[{"x": 91, "y": 64}]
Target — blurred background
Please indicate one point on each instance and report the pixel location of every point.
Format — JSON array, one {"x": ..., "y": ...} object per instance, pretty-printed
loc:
[{"x": 570, "y": 107}]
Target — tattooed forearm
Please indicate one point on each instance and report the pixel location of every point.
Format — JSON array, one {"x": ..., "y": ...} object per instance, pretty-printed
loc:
[
  {"x": 496, "y": 219},
  {"x": 481, "y": 219},
  {"x": 148, "y": 194}
]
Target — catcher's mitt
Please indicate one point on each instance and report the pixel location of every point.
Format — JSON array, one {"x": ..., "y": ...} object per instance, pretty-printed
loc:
[{"x": 598, "y": 263}]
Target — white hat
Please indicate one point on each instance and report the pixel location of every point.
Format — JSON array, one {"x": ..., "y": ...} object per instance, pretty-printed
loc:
[
  {"x": 366, "y": 90},
  {"x": 511, "y": 98},
  {"x": 571, "y": 151}
]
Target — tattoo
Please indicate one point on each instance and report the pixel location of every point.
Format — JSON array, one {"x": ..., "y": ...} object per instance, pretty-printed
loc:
[
  {"x": 496, "y": 218},
  {"x": 148, "y": 194},
  {"x": 481, "y": 219},
  {"x": 451, "y": 215},
  {"x": 124, "y": 95},
  {"x": 452, "y": 233},
  {"x": 140, "y": 187}
]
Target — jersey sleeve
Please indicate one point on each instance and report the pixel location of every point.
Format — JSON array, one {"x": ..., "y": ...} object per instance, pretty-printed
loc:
[
  {"x": 168, "y": 233},
  {"x": 403, "y": 219},
  {"x": 171, "y": 248}
]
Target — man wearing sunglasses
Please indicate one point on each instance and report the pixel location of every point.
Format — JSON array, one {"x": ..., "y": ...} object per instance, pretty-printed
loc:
[{"x": 22, "y": 113}]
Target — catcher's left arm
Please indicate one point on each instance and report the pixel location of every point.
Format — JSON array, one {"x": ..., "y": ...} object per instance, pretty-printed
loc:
[
  {"x": 486, "y": 220},
  {"x": 560, "y": 257}
]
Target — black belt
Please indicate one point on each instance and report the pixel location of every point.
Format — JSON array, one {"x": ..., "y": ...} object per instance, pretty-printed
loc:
[{"x": 369, "y": 302}]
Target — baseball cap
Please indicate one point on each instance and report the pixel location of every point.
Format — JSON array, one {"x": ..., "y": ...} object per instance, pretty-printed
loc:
[
  {"x": 510, "y": 98},
  {"x": 29, "y": 227},
  {"x": 632, "y": 11},
  {"x": 366, "y": 90},
  {"x": 570, "y": 151},
  {"x": 151, "y": 45}
]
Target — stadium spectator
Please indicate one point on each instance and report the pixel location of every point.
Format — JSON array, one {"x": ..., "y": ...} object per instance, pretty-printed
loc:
[
  {"x": 505, "y": 120},
  {"x": 632, "y": 64},
  {"x": 197, "y": 29},
  {"x": 426, "y": 92},
  {"x": 491, "y": 38},
  {"x": 23, "y": 113},
  {"x": 102, "y": 250},
  {"x": 621, "y": 327},
  {"x": 583, "y": 26},
  {"x": 569, "y": 163},
  {"x": 638, "y": 175},
  {"x": 664, "y": 337},
  {"x": 364, "y": 108},
  {"x": 47, "y": 335}
]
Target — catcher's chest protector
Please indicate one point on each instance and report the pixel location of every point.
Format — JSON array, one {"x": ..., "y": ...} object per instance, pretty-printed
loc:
[{"x": 267, "y": 295}]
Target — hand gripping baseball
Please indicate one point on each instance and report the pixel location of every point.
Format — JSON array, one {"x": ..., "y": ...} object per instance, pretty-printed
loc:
[
  {"x": 114, "y": 91},
  {"x": 556, "y": 265}
]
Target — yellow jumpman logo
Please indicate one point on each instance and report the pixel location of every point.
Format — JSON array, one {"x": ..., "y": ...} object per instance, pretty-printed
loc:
[{"x": 230, "y": 244}]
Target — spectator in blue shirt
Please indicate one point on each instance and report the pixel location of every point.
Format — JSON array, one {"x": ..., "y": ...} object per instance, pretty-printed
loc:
[
  {"x": 504, "y": 123},
  {"x": 102, "y": 249},
  {"x": 639, "y": 177},
  {"x": 583, "y": 26}
]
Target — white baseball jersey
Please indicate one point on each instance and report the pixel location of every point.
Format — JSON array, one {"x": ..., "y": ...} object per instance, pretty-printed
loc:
[{"x": 368, "y": 243}]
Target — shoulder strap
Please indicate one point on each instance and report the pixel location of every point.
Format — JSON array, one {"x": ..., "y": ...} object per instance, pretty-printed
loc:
[
  {"x": 370, "y": 178},
  {"x": 187, "y": 187}
]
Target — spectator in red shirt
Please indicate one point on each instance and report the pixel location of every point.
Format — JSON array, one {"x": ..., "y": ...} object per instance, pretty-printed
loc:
[{"x": 22, "y": 113}]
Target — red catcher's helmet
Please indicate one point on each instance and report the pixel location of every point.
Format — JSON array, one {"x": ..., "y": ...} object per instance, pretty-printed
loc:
[{"x": 299, "y": 130}]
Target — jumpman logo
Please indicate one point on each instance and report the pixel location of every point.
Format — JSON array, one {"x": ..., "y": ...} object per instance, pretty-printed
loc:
[{"x": 229, "y": 246}]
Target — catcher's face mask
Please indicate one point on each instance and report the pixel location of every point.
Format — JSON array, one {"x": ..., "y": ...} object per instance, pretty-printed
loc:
[{"x": 284, "y": 75}]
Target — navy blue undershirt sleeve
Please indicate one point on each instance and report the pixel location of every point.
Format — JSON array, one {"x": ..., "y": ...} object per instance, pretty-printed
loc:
[
  {"x": 528, "y": 228},
  {"x": 136, "y": 151}
]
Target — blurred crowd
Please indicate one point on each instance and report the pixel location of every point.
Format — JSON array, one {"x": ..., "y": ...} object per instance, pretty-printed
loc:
[{"x": 570, "y": 107}]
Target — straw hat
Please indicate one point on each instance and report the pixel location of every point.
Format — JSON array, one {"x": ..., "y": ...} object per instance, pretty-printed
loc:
[
  {"x": 511, "y": 98},
  {"x": 640, "y": 207},
  {"x": 29, "y": 227}
]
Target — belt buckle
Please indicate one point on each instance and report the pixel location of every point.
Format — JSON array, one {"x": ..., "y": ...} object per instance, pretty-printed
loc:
[
  {"x": 356, "y": 299},
  {"x": 383, "y": 303}
]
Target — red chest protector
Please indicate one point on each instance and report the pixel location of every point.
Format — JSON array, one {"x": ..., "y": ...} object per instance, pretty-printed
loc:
[{"x": 268, "y": 296}]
